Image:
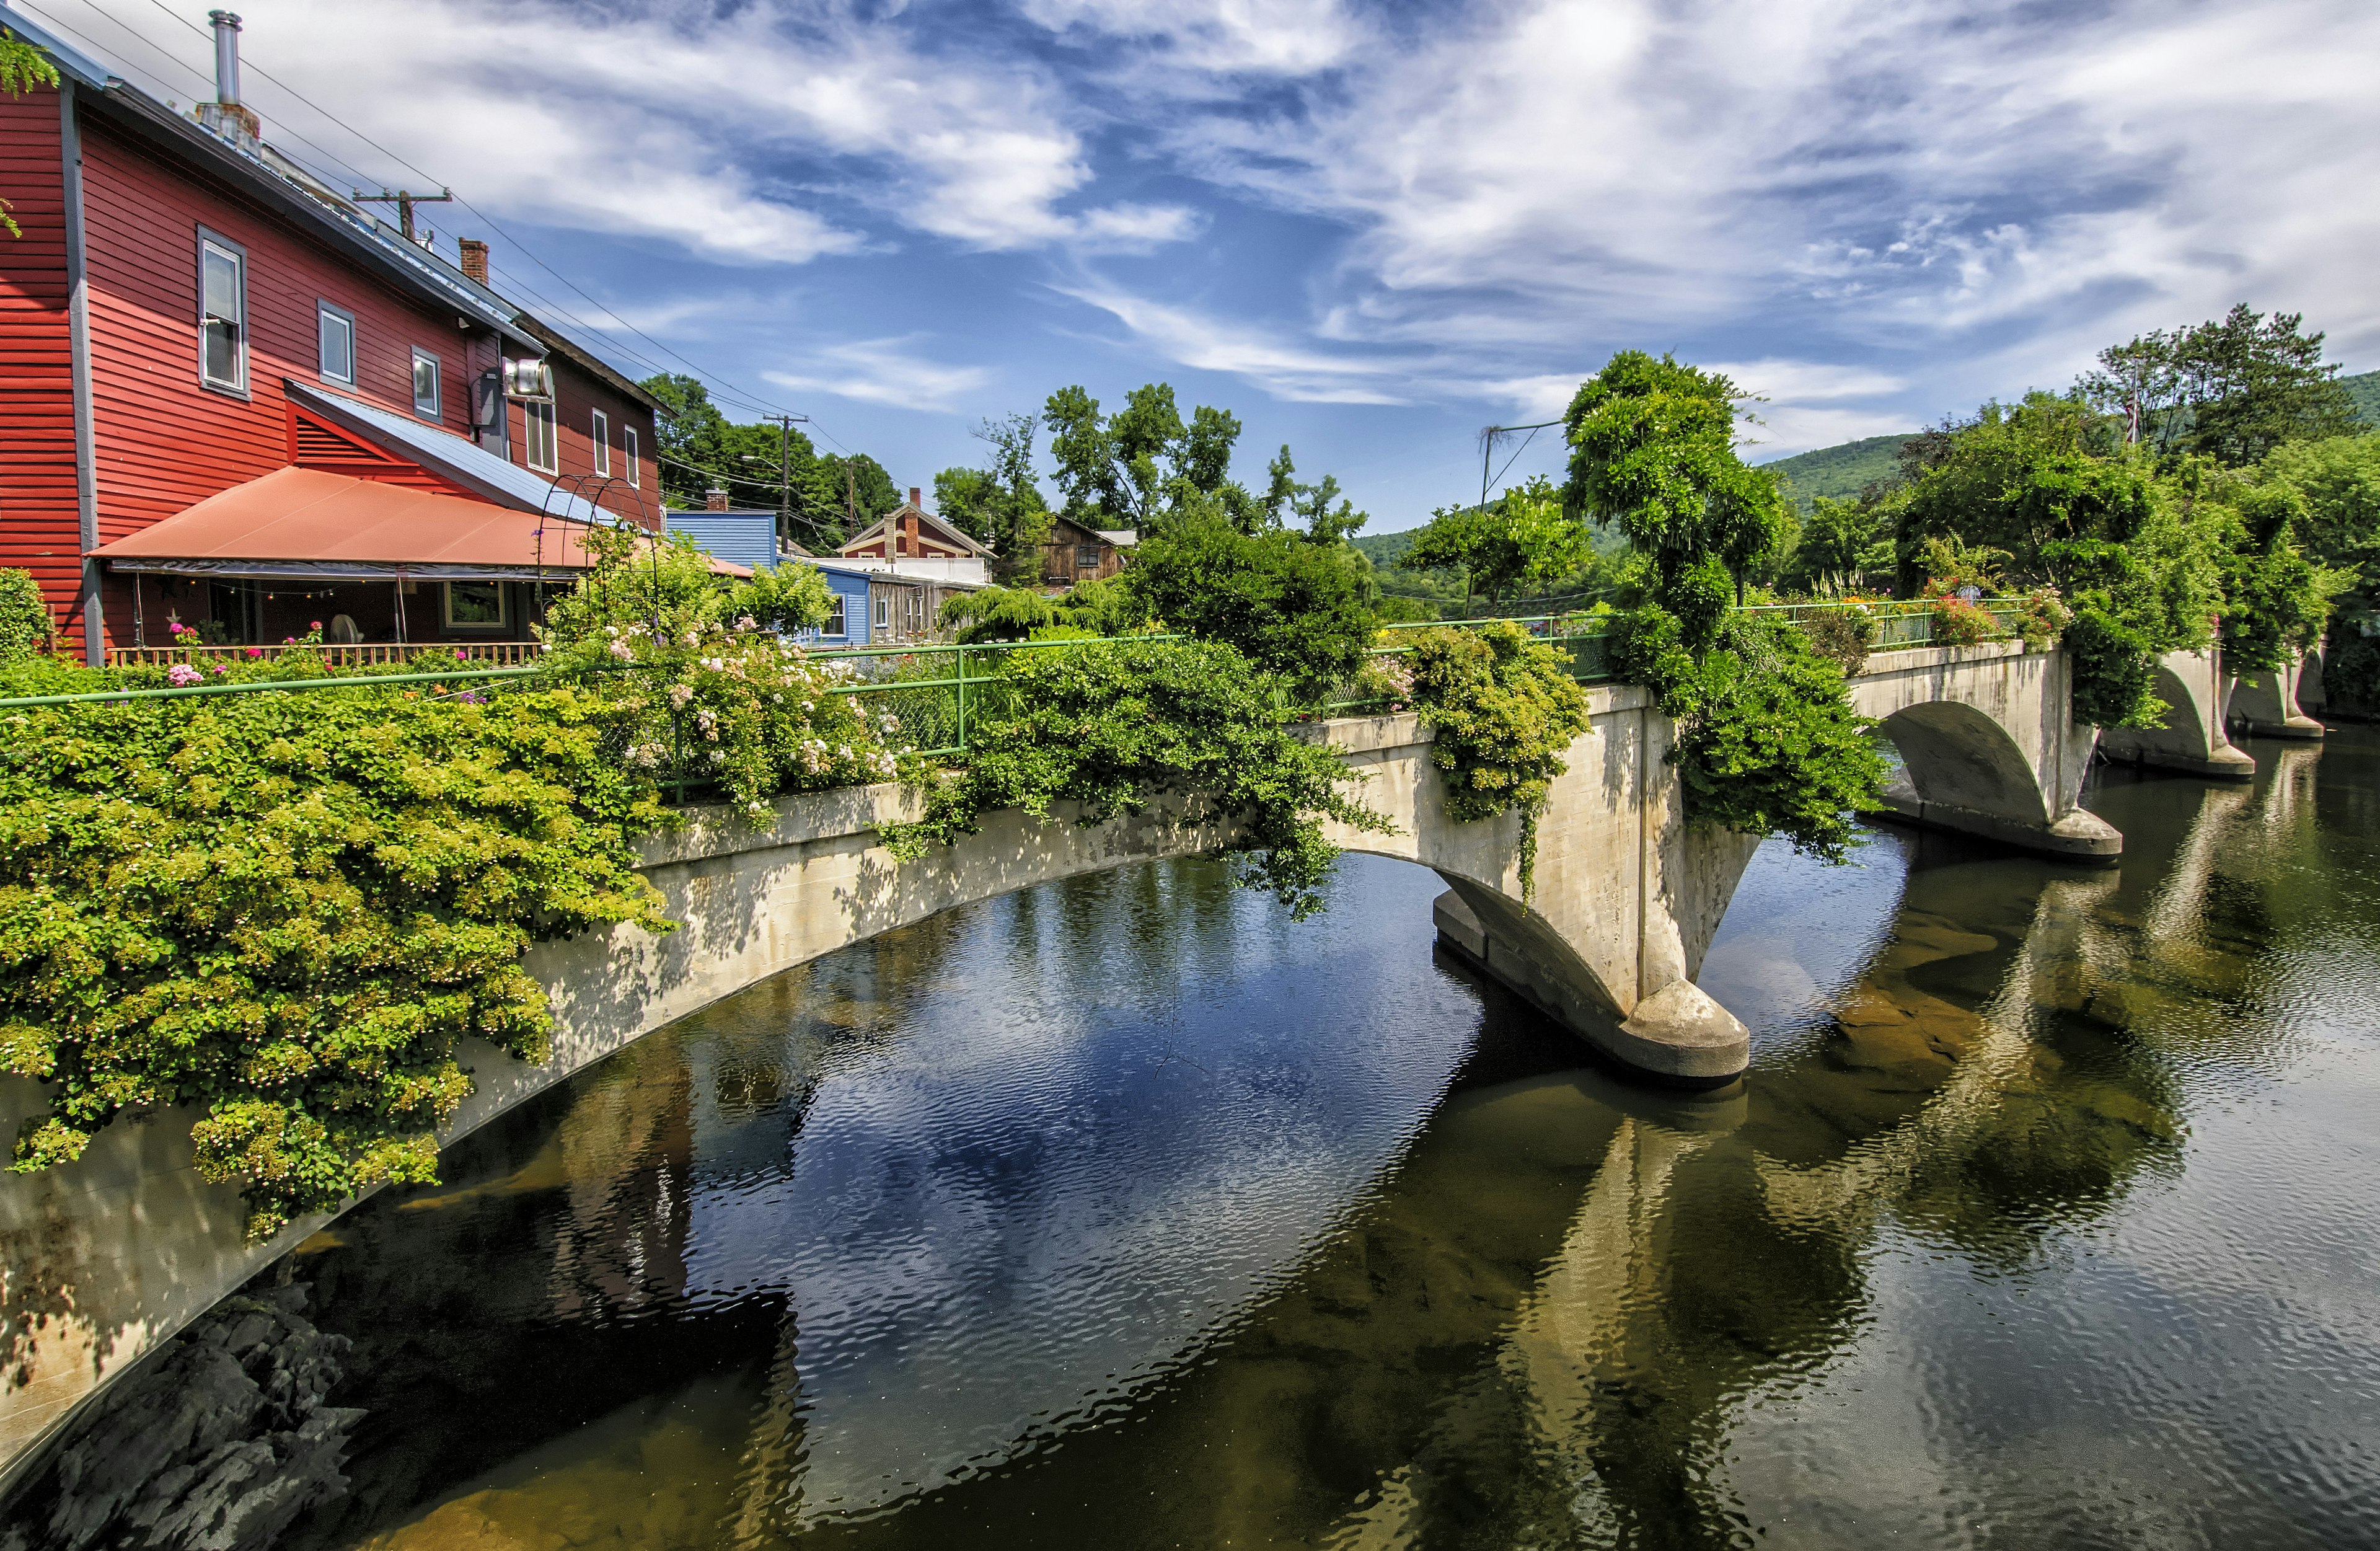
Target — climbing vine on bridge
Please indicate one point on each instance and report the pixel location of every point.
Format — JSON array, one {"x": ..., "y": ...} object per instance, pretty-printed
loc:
[
  {"x": 1113, "y": 727},
  {"x": 1502, "y": 706}
]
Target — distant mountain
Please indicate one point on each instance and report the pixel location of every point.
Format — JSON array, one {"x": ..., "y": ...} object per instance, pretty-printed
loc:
[
  {"x": 2365, "y": 388},
  {"x": 1839, "y": 472}
]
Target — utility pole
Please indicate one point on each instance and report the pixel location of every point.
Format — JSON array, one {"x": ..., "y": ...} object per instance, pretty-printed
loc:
[
  {"x": 785, "y": 473},
  {"x": 405, "y": 202}
]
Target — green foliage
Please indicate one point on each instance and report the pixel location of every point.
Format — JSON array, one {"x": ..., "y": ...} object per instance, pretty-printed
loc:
[
  {"x": 23, "y": 66},
  {"x": 1001, "y": 506},
  {"x": 2275, "y": 600},
  {"x": 1652, "y": 449},
  {"x": 1841, "y": 634},
  {"x": 1523, "y": 541},
  {"x": 288, "y": 908},
  {"x": 1299, "y": 610},
  {"x": 791, "y": 598},
  {"x": 24, "y": 615},
  {"x": 2114, "y": 670},
  {"x": 1502, "y": 707},
  {"x": 1145, "y": 468},
  {"x": 1392, "y": 609},
  {"x": 1839, "y": 543},
  {"x": 1772, "y": 746},
  {"x": 2233, "y": 389},
  {"x": 1113, "y": 726},
  {"x": 1093, "y": 608},
  {"x": 2337, "y": 480}
]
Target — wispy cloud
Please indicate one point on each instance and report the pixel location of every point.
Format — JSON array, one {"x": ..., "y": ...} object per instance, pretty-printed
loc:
[{"x": 886, "y": 371}]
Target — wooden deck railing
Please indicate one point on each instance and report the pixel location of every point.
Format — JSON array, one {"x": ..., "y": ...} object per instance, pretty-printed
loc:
[{"x": 494, "y": 654}]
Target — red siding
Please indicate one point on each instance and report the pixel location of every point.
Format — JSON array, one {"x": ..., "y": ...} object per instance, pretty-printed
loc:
[
  {"x": 577, "y": 396},
  {"x": 164, "y": 440},
  {"x": 40, "y": 528}
]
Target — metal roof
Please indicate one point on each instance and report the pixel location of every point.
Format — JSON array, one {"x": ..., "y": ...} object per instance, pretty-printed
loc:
[{"x": 464, "y": 461}]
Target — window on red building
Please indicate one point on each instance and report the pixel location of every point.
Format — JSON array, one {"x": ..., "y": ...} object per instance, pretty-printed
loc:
[
  {"x": 425, "y": 383},
  {"x": 602, "y": 433},
  {"x": 223, "y": 313},
  {"x": 336, "y": 327}
]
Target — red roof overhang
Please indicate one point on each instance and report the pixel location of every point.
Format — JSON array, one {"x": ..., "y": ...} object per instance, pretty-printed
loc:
[{"x": 310, "y": 523}]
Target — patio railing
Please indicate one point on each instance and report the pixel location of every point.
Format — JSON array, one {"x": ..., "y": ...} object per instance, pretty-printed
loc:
[{"x": 372, "y": 654}]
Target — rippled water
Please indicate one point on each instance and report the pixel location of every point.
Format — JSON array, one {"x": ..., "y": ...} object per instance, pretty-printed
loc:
[{"x": 1126, "y": 1213}]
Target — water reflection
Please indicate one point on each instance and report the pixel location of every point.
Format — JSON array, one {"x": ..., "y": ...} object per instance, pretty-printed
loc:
[{"x": 1124, "y": 1212}]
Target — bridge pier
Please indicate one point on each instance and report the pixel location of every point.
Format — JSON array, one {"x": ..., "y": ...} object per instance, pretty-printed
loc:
[
  {"x": 2193, "y": 741},
  {"x": 2263, "y": 702}
]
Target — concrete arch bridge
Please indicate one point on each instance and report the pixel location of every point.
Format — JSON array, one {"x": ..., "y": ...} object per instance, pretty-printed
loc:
[{"x": 108, "y": 1256}]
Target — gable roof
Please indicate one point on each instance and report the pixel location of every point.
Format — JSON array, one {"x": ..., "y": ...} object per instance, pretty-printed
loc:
[{"x": 944, "y": 532}]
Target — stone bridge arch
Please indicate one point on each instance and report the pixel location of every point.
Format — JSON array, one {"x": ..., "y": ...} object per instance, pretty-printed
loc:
[{"x": 1988, "y": 745}]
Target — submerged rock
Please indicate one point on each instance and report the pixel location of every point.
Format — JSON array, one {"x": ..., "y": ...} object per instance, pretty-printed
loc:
[{"x": 217, "y": 1445}]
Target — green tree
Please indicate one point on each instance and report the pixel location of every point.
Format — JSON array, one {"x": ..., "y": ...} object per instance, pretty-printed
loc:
[
  {"x": 1523, "y": 541},
  {"x": 699, "y": 448},
  {"x": 2337, "y": 479},
  {"x": 1001, "y": 506},
  {"x": 1839, "y": 543},
  {"x": 1298, "y": 609},
  {"x": 1653, "y": 450},
  {"x": 1146, "y": 468},
  {"x": 2232, "y": 389},
  {"x": 23, "y": 66}
]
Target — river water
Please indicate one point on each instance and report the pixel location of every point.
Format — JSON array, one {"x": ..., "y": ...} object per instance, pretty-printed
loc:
[{"x": 1127, "y": 1212}]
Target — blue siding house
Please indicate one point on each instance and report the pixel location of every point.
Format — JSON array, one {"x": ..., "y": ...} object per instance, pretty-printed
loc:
[{"x": 749, "y": 538}]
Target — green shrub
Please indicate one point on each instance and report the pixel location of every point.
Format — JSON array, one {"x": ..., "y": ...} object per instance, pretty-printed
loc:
[
  {"x": 2351, "y": 670},
  {"x": 24, "y": 616},
  {"x": 1502, "y": 708},
  {"x": 1841, "y": 634},
  {"x": 1112, "y": 725},
  {"x": 287, "y": 910}
]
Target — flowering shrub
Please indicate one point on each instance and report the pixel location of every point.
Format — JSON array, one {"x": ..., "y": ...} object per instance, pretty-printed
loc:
[
  {"x": 182, "y": 675},
  {"x": 1957, "y": 622},
  {"x": 2042, "y": 617},
  {"x": 1842, "y": 633}
]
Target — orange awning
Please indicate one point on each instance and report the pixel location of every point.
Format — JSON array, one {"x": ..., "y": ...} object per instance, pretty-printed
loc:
[{"x": 306, "y": 523}]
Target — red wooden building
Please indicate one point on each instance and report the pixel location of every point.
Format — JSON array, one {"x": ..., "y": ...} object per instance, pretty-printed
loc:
[{"x": 189, "y": 316}]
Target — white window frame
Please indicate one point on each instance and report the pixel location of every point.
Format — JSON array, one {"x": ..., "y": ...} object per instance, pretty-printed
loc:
[
  {"x": 883, "y": 611},
  {"x": 211, "y": 244},
  {"x": 436, "y": 408},
  {"x": 538, "y": 427},
  {"x": 838, "y": 620},
  {"x": 628, "y": 450},
  {"x": 329, "y": 315},
  {"x": 447, "y": 621},
  {"x": 598, "y": 434}
]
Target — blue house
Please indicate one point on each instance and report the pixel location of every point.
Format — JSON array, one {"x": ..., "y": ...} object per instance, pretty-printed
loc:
[{"x": 749, "y": 538}]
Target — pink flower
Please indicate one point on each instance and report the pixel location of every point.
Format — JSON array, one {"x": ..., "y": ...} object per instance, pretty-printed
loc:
[
  {"x": 182, "y": 675},
  {"x": 461, "y": 655},
  {"x": 221, "y": 670},
  {"x": 314, "y": 625},
  {"x": 256, "y": 650}
]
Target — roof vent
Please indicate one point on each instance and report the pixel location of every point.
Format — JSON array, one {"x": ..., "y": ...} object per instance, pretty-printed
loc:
[{"x": 228, "y": 116}]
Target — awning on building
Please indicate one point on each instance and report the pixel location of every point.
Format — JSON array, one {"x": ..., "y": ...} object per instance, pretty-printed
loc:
[{"x": 307, "y": 524}]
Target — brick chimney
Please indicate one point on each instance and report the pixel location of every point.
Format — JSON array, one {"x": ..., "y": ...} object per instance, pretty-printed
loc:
[
  {"x": 475, "y": 259},
  {"x": 909, "y": 544},
  {"x": 715, "y": 499},
  {"x": 915, "y": 500}
]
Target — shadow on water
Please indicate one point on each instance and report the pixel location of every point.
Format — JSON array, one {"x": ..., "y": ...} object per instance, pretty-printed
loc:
[{"x": 1122, "y": 1213}]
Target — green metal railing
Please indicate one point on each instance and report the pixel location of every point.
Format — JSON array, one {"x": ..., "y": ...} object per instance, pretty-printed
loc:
[{"x": 934, "y": 706}]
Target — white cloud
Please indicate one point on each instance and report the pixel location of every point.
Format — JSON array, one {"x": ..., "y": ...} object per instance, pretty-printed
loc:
[
  {"x": 752, "y": 134},
  {"x": 1269, "y": 360},
  {"x": 1278, "y": 36},
  {"x": 885, "y": 371}
]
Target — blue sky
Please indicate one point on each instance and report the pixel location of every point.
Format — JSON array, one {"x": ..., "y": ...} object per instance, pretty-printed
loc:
[{"x": 1367, "y": 230}]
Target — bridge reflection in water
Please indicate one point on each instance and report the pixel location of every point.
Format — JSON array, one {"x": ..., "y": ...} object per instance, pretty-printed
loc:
[{"x": 1116, "y": 1212}]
